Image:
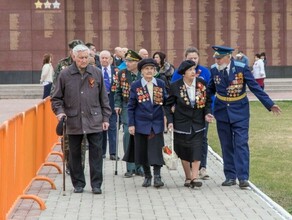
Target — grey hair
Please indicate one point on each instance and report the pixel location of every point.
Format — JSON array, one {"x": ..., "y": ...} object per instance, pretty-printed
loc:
[
  {"x": 105, "y": 52},
  {"x": 80, "y": 48}
]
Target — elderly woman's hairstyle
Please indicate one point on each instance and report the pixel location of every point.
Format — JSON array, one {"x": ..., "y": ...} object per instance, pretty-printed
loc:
[{"x": 80, "y": 48}]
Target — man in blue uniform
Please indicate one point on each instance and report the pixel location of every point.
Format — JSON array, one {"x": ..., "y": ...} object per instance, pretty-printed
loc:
[{"x": 231, "y": 110}]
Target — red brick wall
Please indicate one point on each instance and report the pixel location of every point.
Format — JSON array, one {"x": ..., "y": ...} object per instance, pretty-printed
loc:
[{"x": 170, "y": 26}]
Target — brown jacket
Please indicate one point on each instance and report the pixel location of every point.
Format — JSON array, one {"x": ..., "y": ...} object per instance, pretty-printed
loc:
[{"x": 83, "y": 98}]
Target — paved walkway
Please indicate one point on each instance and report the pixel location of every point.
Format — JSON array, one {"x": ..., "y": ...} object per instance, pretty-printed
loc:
[{"x": 125, "y": 198}]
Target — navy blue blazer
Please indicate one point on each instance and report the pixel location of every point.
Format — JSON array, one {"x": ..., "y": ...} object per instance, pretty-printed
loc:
[
  {"x": 142, "y": 113},
  {"x": 234, "y": 85}
]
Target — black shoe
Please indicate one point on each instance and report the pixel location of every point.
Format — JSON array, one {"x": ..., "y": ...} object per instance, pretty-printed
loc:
[
  {"x": 195, "y": 183},
  {"x": 113, "y": 157},
  {"x": 243, "y": 184},
  {"x": 147, "y": 181},
  {"x": 157, "y": 181},
  {"x": 187, "y": 183},
  {"x": 78, "y": 189},
  {"x": 96, "y": 190},
  {"x": 229, "y": 182},
  {"x": 129, "y": 174}
]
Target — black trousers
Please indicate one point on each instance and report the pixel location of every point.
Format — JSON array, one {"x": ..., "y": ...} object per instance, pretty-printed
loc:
[{"x": 95, "y": 160}]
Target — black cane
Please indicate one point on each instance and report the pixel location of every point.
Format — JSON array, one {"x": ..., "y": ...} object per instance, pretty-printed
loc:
[
  {"x": 117, "y": 145},
  {"x": 64, "y": 155}
]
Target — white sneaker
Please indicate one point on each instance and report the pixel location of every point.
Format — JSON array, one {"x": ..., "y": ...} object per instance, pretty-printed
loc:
[{"x": 203, "y": 174}]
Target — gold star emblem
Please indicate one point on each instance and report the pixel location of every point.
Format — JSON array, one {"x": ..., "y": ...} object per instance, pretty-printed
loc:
[
  {"x": 38, "y": 4},
  {"x": 56, "y": 4},
  {"x": 47, "y": 4}
]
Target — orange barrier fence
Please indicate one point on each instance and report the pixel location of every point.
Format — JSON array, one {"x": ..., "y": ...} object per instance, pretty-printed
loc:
[{"x": 26, "y": 141}]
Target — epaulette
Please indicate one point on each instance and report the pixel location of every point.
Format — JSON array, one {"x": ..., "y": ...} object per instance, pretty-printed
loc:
[
  {"x": 239, "y": 64},
  {"x": 213, "y": 66}
]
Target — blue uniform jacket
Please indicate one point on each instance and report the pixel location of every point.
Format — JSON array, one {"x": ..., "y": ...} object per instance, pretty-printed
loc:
[
  {"x": 142, "y": 113},
  {"x": 234, "y": 85}
]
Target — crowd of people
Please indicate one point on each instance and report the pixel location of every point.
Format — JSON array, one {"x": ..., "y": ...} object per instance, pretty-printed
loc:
[{"x": 148, "y": 96}]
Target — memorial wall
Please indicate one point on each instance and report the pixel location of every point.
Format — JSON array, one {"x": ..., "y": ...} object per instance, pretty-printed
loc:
[{"x": 30, "y": 28}]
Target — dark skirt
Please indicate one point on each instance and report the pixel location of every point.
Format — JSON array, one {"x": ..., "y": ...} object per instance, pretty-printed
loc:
[
  {"x": 130, "y": 152},
  {"x": 189, "y": 146},
  {"x": 148, "y": 149}
]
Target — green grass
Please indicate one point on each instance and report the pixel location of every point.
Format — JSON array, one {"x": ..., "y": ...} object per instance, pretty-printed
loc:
[{"x": 270, "y": 142}]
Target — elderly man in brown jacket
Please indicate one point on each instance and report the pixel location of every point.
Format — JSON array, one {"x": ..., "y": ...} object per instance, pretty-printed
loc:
[{"x": 81, "y": 97}]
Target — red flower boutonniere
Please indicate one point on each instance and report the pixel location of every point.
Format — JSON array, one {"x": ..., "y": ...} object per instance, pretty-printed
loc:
[
  {"x": 91, "y": 82},
  {"x": 198, "y": 72}
]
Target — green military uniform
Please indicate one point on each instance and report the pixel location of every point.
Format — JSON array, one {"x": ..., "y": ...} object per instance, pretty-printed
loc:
[
  {"x": 125, "y": 79},
  {"x": 63, "y": 64}
]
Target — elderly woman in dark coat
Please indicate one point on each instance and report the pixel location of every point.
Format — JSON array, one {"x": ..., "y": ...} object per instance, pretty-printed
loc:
[
  {"x": 187, "y": 118},
  {"x": 145, "y": 117}
]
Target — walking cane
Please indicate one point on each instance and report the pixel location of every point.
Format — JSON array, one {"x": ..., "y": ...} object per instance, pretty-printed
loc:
[
  {"x": 64, "y": 155},
  {"x": 117, "y": 144}
]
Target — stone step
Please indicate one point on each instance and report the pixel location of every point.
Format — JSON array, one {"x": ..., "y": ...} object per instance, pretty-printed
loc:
[
  {"x": 35, "y": 91},
  {"x": 21, "y": 91},
  {"x": 278, "y": 85}
]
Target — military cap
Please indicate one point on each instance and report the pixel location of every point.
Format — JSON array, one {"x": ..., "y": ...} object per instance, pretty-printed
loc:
[
  {"x": 132, "y": 56},
  {"x": 221, "y": 51},
  {"x": 74, "y": 43},
  {"x": 146, "y": 62},
  {"x": 185, "y": 65}
]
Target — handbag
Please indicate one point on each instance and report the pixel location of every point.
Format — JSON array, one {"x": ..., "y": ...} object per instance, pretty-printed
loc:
[{"x": 169, "y": 156}]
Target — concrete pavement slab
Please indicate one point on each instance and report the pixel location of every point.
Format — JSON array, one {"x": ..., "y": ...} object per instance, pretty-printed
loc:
[{"x": 125, "y": 198}]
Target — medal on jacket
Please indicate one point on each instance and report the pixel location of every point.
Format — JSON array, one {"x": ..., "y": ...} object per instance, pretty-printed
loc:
[{"x": 91, "y": 82}]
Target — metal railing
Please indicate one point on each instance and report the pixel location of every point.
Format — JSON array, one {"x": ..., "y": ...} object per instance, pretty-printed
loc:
[{"x": 26, "y": 141}]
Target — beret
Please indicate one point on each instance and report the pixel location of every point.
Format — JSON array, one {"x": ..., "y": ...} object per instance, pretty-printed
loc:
[
  {"x": 146, "y": 62},
  {"x": 185, "y": 65},
  {"x": 221, "y": 51},
  {"x": 59, "y": 128},
  {"x": 132, "y": 56}
]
